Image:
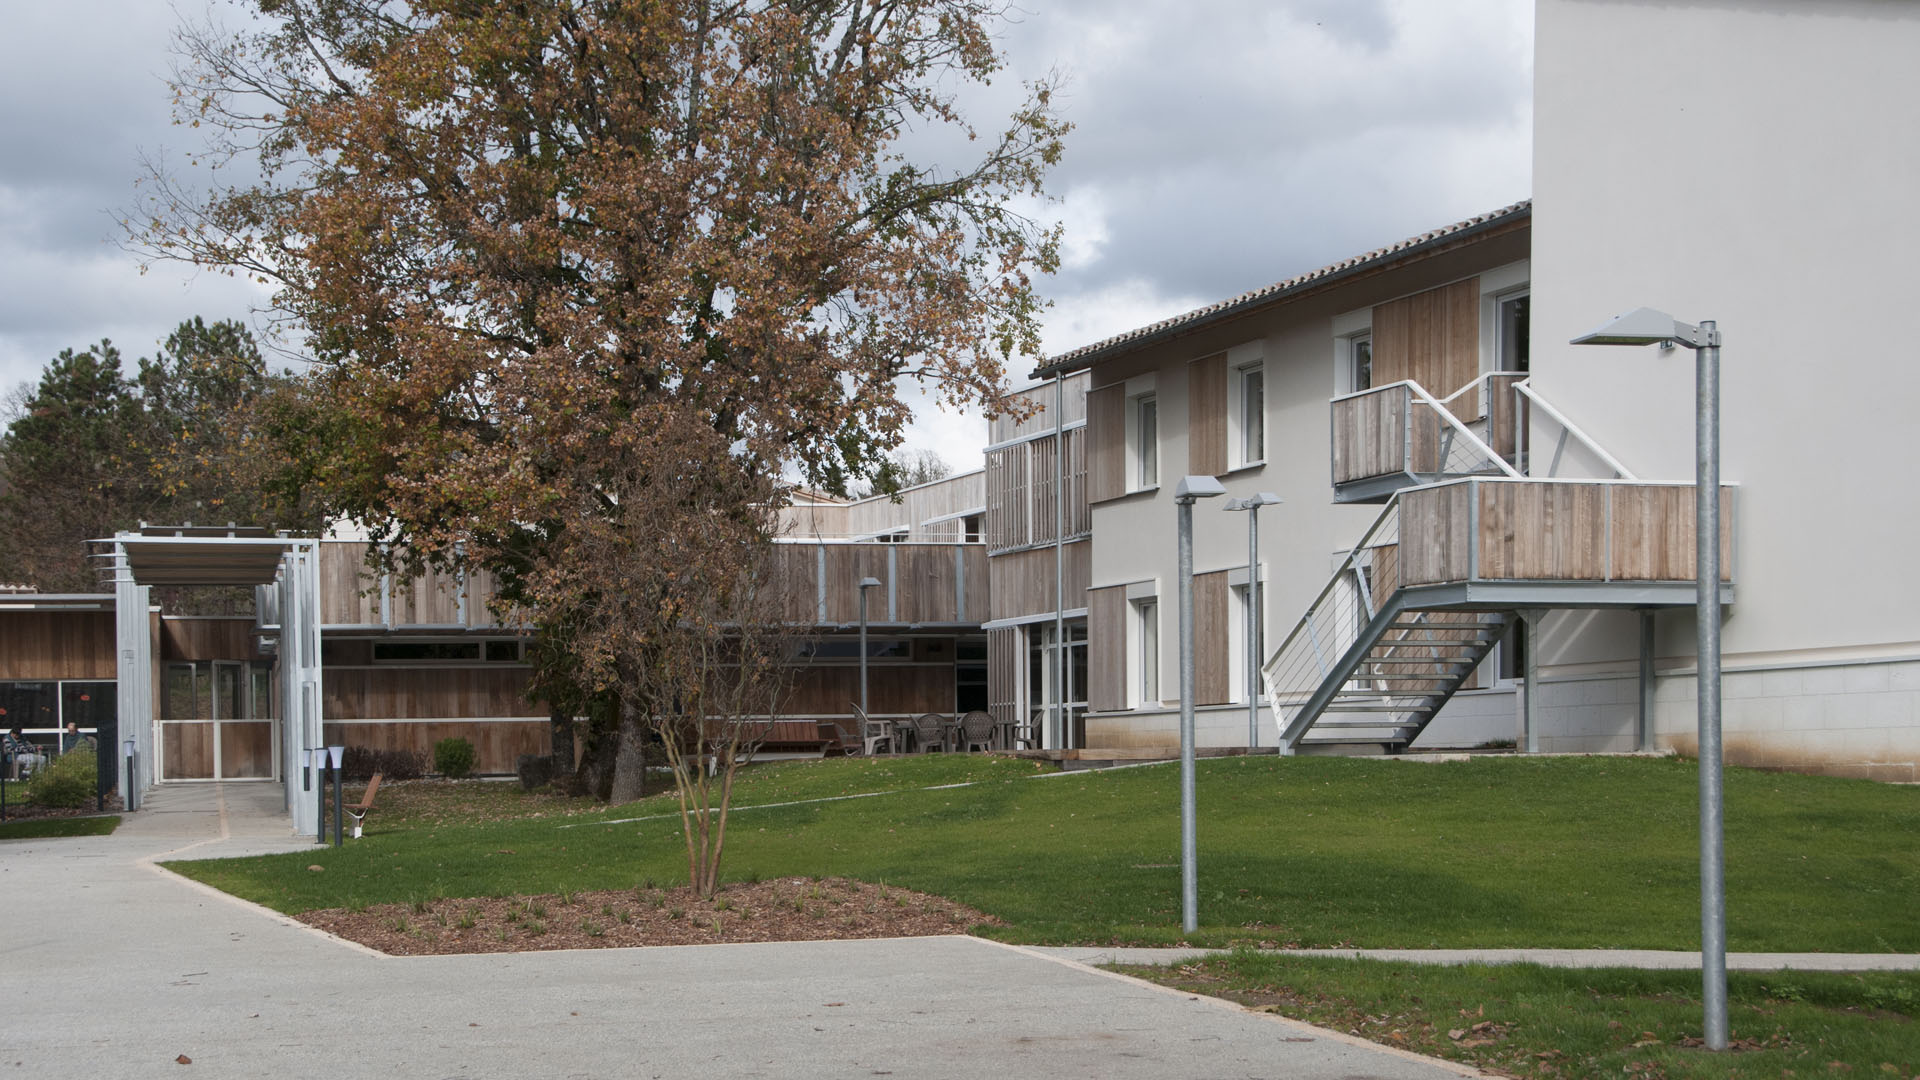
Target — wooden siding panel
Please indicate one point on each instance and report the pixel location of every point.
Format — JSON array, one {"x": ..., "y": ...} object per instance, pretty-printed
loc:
[
  {"x": 206, "y": 639},
  {"x": 1022, "y": 583},
  {"x": 246, "y": 749},
  {"x": 1369, "y": 435},
  {"x": 1006, "y": 428},
  {"x": 1502, "y": 413},
  {"x": 1653, "y": 534},
  {"x": 57, "y": 645},
  {"x": 1107, "y": 445},
  {"x": 417, "y": 693},
  {"x": 349, "y": 591},
  {"x": 927, "y": 579},
  {"x": 1543, "y": 532},
  {"x": 1207, "y": 416},
  {"x": 1212, "y": 664},
  {"x": 892, "y": 689},
  {"x": 1107, "y": 648},
  {"x": 846, "y": 565},
  {"x": 1433, "y": 535},
  {"x": 1432, "y": 338},
  {"x": 187, "y": 751},
  {"x": 979, "y": 585}
]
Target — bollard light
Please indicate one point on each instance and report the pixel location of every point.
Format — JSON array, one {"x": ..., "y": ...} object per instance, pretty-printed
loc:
[{"x": 335, "y": 754}]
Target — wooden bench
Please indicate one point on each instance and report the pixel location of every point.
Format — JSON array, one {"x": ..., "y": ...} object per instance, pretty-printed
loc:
[{"x": 358, "y": 811}]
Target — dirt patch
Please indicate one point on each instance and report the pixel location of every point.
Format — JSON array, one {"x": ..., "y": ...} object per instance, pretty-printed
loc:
[{"x": 784, "y": 909}]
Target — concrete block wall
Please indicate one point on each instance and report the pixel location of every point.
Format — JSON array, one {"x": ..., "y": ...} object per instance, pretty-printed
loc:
[{"x": 1859, "y": 718}]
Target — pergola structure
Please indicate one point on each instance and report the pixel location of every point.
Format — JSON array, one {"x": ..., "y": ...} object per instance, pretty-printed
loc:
[{"x": 284, "y": 572}]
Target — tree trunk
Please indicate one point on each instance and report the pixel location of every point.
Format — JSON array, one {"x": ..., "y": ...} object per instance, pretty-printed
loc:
[
  {"x": 630, "y": 756},
  {"x": 560, "y": 725},
  {"x": 595, "y": 775}
]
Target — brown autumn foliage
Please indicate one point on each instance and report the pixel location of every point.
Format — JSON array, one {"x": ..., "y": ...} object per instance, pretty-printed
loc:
[{"x": 550, "y": 252}]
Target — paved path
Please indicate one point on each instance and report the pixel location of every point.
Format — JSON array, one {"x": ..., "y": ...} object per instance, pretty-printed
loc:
[{"x": 110, "y": 967}]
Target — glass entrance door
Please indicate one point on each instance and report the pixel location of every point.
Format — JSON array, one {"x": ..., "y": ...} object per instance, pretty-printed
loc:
[{"x": 216, "y": 722}]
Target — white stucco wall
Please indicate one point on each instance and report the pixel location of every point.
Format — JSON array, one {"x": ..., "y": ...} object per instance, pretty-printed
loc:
[{"x": 1752, "y": 162}]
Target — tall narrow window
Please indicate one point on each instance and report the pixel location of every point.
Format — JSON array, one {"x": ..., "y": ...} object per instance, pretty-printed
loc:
[
  {"x": 1512, "y": 328},
  {"x": 1147, "y": 454},
  {"x": 1147, "y": 619},
  {"x": 1253, "y": 413},
  {"x": 1360, "y": 362}
]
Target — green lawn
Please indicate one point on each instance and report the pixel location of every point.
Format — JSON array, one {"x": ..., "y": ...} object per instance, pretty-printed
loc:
[
  {"x": 1560, "y": 852},
  {"x": 1528, "y": 1021},
  {"x": 36, "y": 828}
]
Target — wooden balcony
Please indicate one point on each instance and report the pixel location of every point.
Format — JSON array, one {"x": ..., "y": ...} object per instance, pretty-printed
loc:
[
  {"x": 920, "y": 584},
  {"x": 1398, "y": 435},
  {"x": 1497, "y": 542}
]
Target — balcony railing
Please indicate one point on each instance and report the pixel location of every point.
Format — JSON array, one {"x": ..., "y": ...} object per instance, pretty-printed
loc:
[
  {"x": 1392, "y": 436},
  {"x": 1488, "y": 529}
]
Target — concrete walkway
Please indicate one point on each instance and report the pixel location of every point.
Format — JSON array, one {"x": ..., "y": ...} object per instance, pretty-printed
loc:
[{"x": 111, "y": 967}]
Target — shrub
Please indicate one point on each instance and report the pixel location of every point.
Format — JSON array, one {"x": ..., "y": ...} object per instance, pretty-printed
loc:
[
  {"x": 361, "y": 762},
  {"x": 68, "y": 782},
  {"x": 453, "y": 758}
]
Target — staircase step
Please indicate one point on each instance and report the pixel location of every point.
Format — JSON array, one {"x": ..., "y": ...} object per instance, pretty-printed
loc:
[{"x": 1483, "y": 639}]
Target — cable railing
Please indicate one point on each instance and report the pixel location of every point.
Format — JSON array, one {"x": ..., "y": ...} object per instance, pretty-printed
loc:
[{"x": 1333, "y": 623}]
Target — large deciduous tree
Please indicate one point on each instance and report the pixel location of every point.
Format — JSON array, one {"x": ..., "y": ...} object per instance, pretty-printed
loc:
[{"x": 584, "y": 275}]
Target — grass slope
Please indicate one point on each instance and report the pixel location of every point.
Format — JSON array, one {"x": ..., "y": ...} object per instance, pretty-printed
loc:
[
  {"x": 1562, "y": 852},
  {"x": 1528, "y": 1021}
]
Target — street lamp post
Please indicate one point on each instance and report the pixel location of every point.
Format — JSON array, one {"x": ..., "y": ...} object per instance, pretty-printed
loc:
[
  {"x": 1252, "y": 504},
  {"x": 865, "y": 584},
  {"x": 1645, "y": 326},
  {"x": 1190, "y": 490}
]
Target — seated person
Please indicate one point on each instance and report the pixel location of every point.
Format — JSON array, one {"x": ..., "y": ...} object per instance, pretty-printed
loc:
[
  {"x": 23, "y": 756},
  {"x": 73, "y": 739}
]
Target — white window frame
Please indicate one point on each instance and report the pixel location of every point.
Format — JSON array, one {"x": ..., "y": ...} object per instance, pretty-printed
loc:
[
  {"x": 1349, "y": 328},
  {"x": 1143, "y": 684},
  {"x": 1238, "y": 417},
  {"x": 1142, "y": 457},
  {"x": 1497, "y": 286}
]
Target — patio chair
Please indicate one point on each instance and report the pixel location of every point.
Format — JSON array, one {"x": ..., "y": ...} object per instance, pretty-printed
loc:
[
  {"x": 976, "y": 729},
  {"x": 930, "y": 731},
  {"x": 874, "y": 733}
]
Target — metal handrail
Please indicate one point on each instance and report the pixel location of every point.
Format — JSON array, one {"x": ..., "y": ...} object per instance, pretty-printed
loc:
[
  {"x": 1526, "y": 389},
  {"x": 1389, "y": 518},
  {"x": 1453, "y": 421}
]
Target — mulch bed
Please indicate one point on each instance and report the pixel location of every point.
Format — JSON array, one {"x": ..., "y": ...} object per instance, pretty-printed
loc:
[{"x": 783, "y": 909}]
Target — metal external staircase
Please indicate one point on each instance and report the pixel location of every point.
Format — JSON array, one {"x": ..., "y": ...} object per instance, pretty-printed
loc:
[
  {"x": 1398, "y": 629},
  {"x": 1366, "y": 664}
]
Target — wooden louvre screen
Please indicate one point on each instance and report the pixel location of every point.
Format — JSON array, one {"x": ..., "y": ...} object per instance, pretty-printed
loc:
[
  {"x": 1432, "y": 338},
  {"x": 1207, "y": 416},
  {"x": 1002, "y": 675},
  {"x": 1212, "y": 665},
  {"x": 1107, "y": 648},
  {"x": 1107, "y": 446}
]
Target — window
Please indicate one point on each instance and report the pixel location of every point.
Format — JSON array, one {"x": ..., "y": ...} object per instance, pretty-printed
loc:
[
  {"x": 1246, "y": 614},
  {"x": 972, "y": 526},
  {"x": 1145, "y": 446},
  {"x": 1510, "y": 332},
  {"x": 1146, "y": 615},
  {"x": 970, "y": 674},
  {"x": 1359, "y": 363},
  {"x": 1250, "y": 384}
]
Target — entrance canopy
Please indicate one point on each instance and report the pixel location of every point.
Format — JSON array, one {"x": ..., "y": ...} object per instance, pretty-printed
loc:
[{"x": 285, "y": 573}]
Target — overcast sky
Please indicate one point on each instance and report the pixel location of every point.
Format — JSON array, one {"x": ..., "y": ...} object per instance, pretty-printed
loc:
[{"x": 1219, "y": 145}]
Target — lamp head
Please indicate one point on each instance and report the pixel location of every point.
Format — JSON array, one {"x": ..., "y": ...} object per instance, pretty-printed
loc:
[
  {"x": 1645, "y": 326},
  {"x": 869, "y": 582},
  {"x": 1193, "y": 488},
  {"x": 1254, "y": 501}
]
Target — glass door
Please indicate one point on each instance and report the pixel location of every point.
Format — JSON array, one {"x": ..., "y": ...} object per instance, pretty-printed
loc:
[{"x": 244, "y": 748}]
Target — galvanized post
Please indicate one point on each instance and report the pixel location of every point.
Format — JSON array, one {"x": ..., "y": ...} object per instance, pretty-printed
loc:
[
  {"x": 1713, "y": 897},
  {"x": 1253, "y": 625},
  {"x": 1529, "y": 712},
  {"x": 1644, "y": 733},
  {"x": 1189, "y": 860}
]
